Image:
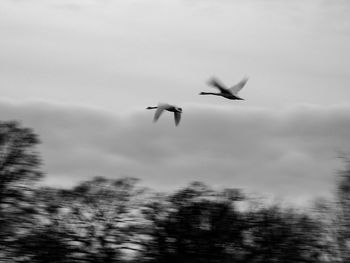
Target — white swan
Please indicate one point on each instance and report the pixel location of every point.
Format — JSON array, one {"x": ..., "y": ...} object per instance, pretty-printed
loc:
[
  {"x": 164, "y": 106},
  {"x": 228, "y": 93}
]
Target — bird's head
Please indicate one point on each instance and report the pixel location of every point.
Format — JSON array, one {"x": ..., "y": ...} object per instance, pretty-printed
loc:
[{"x": 178, "y": 109}]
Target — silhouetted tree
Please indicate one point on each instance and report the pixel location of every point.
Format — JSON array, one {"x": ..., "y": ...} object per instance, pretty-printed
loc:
[
  {"x": 45, "y": 243},
  {"x": 196, "y": 224},
  {"x": 280, "y": 235},
  {"x": 343, "y": 212},
  {"x": 335, "y": 218},
  {"x": 47, "y": 239},
  {"x": 97, "y": 221},
  {"x": 19, "y": 169}
]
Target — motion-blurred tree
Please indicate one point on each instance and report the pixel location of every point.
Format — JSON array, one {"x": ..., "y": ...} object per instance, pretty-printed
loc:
[
  {"x": 100, "y": 219},
  {"x": 47, "y": 239},
  {"x": 196, "y": 224},
  {"x": 19, "y": 169},
  {"x": 44, "y": 244},
  {"x": 343, "y": 212},
  {"x": 282, "y": 235},
  {"x": 335, "y": 218}
]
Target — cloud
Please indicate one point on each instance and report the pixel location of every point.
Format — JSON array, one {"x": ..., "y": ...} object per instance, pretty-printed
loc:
[
  {"x": 291, "y": 50},
  {"x": 289, "y": 153}
]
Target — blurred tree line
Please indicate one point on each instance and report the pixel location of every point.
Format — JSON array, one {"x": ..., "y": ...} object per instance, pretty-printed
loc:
[{"x": 106, "y": 220}]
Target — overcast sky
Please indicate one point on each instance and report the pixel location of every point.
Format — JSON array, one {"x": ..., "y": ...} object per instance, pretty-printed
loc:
[{"x": 82, "y": 72}]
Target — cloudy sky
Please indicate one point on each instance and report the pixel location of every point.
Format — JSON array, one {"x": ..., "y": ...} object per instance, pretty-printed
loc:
[{"x": 81, "y": 72}]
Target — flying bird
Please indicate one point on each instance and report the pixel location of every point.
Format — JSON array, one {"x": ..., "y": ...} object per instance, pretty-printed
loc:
[
  {"x": 164, "y": 106},
  {"x": 228, "y": 93}
]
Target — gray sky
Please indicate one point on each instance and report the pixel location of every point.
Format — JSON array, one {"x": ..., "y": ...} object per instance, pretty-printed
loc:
[{"x": 81, "y": 73}]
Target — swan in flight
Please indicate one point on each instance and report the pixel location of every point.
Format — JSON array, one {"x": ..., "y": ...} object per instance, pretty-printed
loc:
[
  {"x": 228, "y": 93},
  {"x": 172, "y": 108}
]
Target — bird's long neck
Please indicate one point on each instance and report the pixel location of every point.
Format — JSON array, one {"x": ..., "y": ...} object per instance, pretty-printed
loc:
[
  {"x": 209, "y": 93},
  {"x": 150, "y": 108}
]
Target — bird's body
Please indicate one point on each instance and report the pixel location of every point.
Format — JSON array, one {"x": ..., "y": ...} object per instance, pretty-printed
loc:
[
  {"x": 228, "y": 93},
  {"x": 172, "y": 108},
  {"x": 227, "y": 96}
]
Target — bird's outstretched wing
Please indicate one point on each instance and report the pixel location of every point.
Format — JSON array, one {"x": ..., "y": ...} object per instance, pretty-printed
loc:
[
  {"x": 236, "y": 88},
  {"x": 158, "y": 112},
  {"x": 214, "y": 82},
  {"x": 177, "y": 117}
]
